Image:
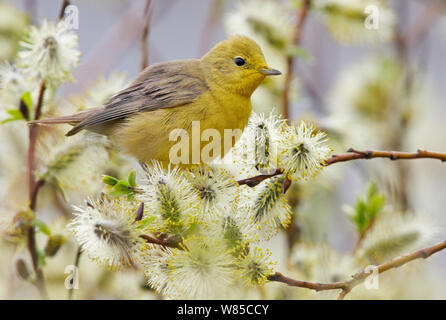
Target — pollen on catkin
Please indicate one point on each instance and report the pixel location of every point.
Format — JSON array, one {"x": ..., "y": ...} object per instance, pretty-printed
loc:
[
  {"x": 303, "y": 151},
  {"x": 50, "y": 51},
  {"x": 105, "y": 230},
  {"x": 170, "y": 197}
]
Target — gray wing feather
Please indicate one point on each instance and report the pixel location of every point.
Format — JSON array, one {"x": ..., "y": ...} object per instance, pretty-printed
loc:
[{"x": 163, "y": 85}]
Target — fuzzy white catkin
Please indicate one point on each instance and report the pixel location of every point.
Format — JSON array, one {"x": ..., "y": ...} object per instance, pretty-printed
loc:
[{"x": 50, "y": 51}]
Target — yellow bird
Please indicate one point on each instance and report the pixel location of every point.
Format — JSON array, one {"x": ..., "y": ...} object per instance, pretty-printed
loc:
[{"x": 214, "y": 90}]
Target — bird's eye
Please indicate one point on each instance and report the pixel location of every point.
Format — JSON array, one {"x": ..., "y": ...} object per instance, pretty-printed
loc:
[{"x": 239, "y": 61}]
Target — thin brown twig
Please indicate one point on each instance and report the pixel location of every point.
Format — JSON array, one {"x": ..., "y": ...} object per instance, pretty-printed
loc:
[
  {"x": 33, "y": 198},
  {"x": 353, "y": 154},
  {"x": 253, "y": 181},
  {"x": 297, "y": 34},
  {"x": 392, "y": 155},
  {"x": 34, "y": 188},
  {"x": 407, "y": 39},
  {"x": 65, "y": 4},
  {"x": 162, "y": 242},
  {"x": 278, "y": 277},
  {"x": 358, "y": 278},
  {"x": 39, "y": 282},
  {"x": 363, "y": 235},
  {"x": 145, "y": 33},
  {"x": 33, "y": 130}
]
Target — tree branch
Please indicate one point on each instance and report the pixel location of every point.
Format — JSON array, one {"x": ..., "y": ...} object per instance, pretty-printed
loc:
[
  {"x": 145, "y": 33},
  {"x": 392, "y": 155},
  {"x": 363, "y": 234},
  {"x": 253, "y": 181},
  {"x": 358, "y": 278},
  {"x": 167, "y": 243},
  {"x": 33, "y": 130},
  {"x": 65, "y": 4},
  {"x": 297, "y": 34},
  {"x": 33, "y": 186},
  {"x": 33, "y": 197},
  {"x": 353, "y": 154},
  {"x": 33, "y": 191}
]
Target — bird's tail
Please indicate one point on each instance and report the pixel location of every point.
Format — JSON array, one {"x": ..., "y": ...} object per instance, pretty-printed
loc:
[{"x": 72, "y": 119}]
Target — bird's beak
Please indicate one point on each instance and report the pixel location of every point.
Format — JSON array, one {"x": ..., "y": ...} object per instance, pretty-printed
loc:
[{"x": 270, "y": 72}]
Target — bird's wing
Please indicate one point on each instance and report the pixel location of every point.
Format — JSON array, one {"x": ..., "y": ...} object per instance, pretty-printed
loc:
[{"x": 163, "y": 85}]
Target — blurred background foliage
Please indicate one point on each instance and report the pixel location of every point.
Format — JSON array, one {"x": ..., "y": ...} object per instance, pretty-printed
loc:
[{"x": 368, "y": 89}]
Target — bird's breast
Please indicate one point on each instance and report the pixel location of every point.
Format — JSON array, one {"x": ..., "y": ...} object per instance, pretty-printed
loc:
[
  {"x": 151, "y": 135},
  {"x": 231, "y": 110}
]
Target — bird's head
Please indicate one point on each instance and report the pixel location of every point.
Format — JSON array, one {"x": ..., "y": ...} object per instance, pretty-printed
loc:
[{"x": 237, "y": 64}]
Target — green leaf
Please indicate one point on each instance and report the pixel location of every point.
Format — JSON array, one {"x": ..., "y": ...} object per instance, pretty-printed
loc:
[
  {"x": 41, "y": 226},
  {"x": 115, "y": 187},
  {"x": 371, "y": 191},
  {"x": 360, "y": 217},
  {"x": 132, "y": 178},
  {"x": 375, "y": 205},
  {"x": 109, "y": 180},
  {"x": 15, "y": 115},
  {"x": 145, "y": 222},
  {"x": 122, "y": 186},
  {"x": 366, "y": 211},
  {"x": 120, "y": 189}
]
